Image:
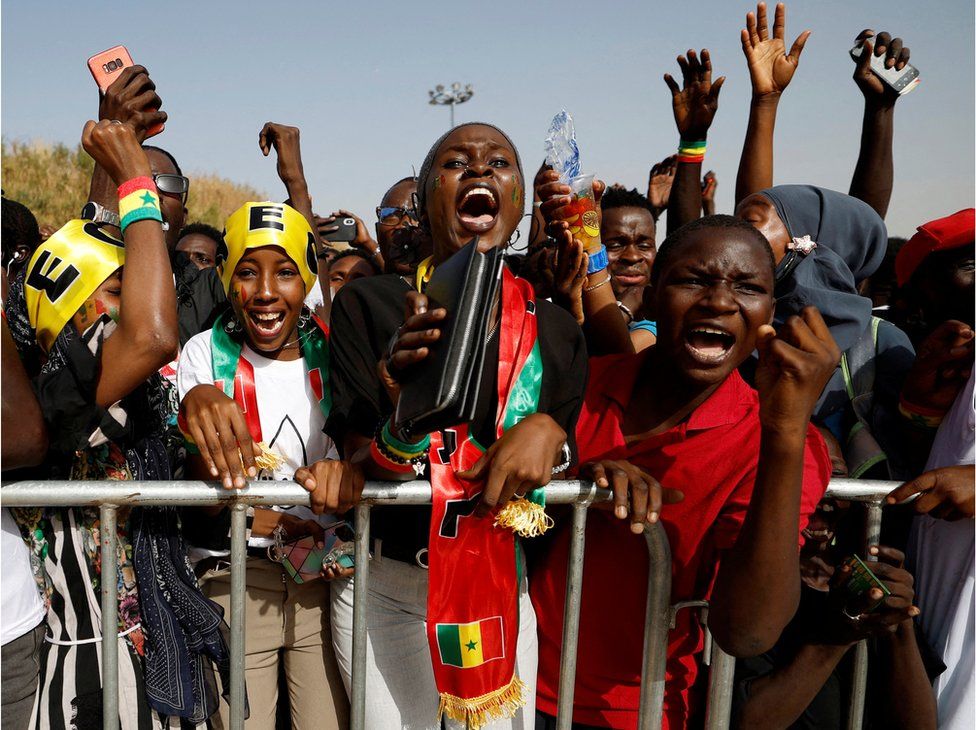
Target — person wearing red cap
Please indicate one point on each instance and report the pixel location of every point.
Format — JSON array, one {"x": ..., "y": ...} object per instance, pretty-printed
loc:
[{"x": 935, "y": 271}]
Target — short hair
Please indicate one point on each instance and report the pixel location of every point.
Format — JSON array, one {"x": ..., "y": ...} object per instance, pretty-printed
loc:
[
  {"x": 202, "y": 229},
  {"x": 408, "y": 178},
  {"x": 19, "y": 229},
  {"x": 669, "y": 249},
  {"x": 160, "y": 150},
  {"x": 356, "y": 252},
  {"x": 615, "y": 197}
]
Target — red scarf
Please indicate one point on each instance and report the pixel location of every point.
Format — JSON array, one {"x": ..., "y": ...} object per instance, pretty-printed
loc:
[{"x": 473, "y": 601}]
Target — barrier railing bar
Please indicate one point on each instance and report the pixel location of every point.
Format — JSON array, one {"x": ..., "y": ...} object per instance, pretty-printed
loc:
[
  {"x": 571, "y": 615},
  {"x": 238, "y": 582},
  {"x": 110, "y": 617},
  {"x": 721, "y": 675},
  {"x": 110, "y": 494},
  {"x": 872, "y": 536},
  {"x": 359, "y": 597},
  {"x": 657, "y": 620}
]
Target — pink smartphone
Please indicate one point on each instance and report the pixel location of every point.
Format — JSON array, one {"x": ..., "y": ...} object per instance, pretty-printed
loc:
[{"x": 105, "y": 68}]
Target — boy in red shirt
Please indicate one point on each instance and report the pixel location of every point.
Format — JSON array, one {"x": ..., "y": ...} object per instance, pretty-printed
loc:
[{"x": 742, "y": 470}]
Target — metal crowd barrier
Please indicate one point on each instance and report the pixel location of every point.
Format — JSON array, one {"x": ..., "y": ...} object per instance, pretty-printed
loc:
[{"x": 110, "y": 495}]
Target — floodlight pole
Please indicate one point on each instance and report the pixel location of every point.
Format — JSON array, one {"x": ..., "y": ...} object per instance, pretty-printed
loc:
[{"x": 440, "y": 96}]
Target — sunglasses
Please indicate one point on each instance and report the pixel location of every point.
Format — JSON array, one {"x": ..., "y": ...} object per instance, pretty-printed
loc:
[
  {"x": 172, "y": 184},
  {"x": 394, "y": 216}
]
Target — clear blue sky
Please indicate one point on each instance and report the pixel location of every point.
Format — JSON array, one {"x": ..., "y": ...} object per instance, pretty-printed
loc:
[{"x": 354, "y": 76}]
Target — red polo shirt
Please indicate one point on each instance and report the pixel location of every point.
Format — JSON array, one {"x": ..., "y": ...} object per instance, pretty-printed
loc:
[{"x": 712, "y": 458}]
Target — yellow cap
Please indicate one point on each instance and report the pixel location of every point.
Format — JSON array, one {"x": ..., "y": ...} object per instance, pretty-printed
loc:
[
  {"x": 64, "y": 271},
  {"x": 256, "y": 225}
]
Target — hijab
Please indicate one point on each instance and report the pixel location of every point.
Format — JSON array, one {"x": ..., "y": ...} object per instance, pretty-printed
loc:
[{"x": 850, "y": 240}]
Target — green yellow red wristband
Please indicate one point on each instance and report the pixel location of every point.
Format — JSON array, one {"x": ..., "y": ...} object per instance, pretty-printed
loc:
[
  {"x": 138, "y": 200},
  {"x": 920, "y": 416},
  {"x": 691, "y": 151}
]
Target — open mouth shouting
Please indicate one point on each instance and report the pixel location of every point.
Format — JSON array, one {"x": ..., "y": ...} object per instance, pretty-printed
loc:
[
  {"x": 266, "y": 325},
  {"x": 477, "y": 207},
  {"x": 708, "y": 344}
]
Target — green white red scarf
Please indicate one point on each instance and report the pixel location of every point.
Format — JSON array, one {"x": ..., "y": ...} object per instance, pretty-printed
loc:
[
  {"x": 473, "y": 594},
  {"x": 234, "y": 374}
]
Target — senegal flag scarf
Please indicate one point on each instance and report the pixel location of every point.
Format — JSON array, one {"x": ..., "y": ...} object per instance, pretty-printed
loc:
[
  {"x": 472, "y": 600},
  {"x": 234, "y": 375}
]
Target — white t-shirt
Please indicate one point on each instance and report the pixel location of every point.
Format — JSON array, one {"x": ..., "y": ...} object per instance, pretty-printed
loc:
[
  {"x": 943, "y": 554},
  {"x": 291, "y": 419},
  {"x": 21, "y": 607}
]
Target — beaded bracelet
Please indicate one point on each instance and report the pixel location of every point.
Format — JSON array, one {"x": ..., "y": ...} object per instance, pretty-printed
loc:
[
  {"x": 403, "y": 456},
  {"x": 138, "y": 200},
  {"x": 384, "y": 462},
  {"x": 691, "y": 151},
  {"x": 401, "y": 448}
]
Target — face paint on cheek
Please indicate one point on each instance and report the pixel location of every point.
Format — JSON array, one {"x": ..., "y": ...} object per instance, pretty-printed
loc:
[
  {"x": 438, "y": 182},
  {"x": 516, "y": 194}
]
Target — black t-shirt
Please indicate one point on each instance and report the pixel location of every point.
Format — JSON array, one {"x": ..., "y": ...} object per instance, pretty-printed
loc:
[{"x": 365, "y": 316}]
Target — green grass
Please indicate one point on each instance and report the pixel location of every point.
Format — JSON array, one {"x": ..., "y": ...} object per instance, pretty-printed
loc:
[{"x": 52, "y": 180}]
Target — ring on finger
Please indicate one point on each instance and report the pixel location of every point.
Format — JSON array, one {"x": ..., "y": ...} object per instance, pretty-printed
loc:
[{"x": 853, "y": 619}]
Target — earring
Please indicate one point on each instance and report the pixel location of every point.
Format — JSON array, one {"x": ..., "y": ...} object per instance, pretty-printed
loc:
[
  {"x": 514, "y": 239},
  {"x": 232, "y": 326},
  {"x": 304, "y": 317}
]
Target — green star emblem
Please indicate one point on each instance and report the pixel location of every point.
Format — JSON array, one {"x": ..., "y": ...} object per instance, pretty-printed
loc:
[
  {"x": 471, "y": 645},
  {"x": 148, "y": 199}
]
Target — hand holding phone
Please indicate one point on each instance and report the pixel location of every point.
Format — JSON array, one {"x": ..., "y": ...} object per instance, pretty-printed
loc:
[
  {"x": 128, "y": 94},
  {"x": 882, "y": 65}
]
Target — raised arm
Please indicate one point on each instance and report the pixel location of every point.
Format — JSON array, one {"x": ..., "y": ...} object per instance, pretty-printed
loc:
[
  {"x": 147, "y": 336},
  {"x": 758, "y": 584},
  {"x": 694, "y": 107},
  {"x": 132, "y": 100},
  {"x": 285, "y": 142},
  {"x": 770, "y": 72},
  {"x": 874, "y": 173}
]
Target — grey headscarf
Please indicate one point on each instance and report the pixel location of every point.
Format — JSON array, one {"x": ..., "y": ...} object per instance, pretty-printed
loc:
[
  {"x": 851, "y": 240},
  {"x": 425, "y": 168}
]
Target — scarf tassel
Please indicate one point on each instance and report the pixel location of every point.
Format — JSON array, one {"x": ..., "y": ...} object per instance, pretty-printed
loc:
[
  {"x": 479, "y": 711},
  {"x": 524, "y": 517}
]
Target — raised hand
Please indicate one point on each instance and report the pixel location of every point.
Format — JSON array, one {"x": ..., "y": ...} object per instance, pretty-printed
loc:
[
  {"x": 362, "y": 240},
  {"x": 569, "y": 272},
  {"x": 116, "y": 149},
  {"x": 659, "y": 182},
  {"x": 285, "y": 141},
  {"x": 770, "y": 68},
  {"x": 948, "y": 493},
  {"x": 555, "y": 196},
  {"x": 896, "y": 55},
  {"x": 636, "y": 494},
  {"x": 794, "y": 366},
  {"x": 695, "y": 103},
  {"x": 132, "y": 100},
  {"x": 709, "y": 184}
]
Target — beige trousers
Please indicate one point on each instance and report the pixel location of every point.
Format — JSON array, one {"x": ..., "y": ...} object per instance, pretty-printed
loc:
[{"x": 286, "y": 622}]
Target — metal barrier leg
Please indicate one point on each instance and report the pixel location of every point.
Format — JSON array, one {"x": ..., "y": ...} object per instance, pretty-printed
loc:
[
  {"x": 872, "y": 536},
  {"x": 656, "y": 622},
  {"x": 238, "y": 582},
  {"x": 359, "y": 598},
  {"x": 571, "y": 611},
  {"x": 110, "y": 617},
  {"x": 718, "y": 712}
]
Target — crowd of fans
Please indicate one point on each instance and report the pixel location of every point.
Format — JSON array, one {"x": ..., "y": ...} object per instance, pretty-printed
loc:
[{"x": 714, "y": 382}]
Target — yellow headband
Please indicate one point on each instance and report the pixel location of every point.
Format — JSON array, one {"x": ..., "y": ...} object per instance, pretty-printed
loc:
[
  {"x": 256, "y": 225},
  {"x": 64, "y": 271}
]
